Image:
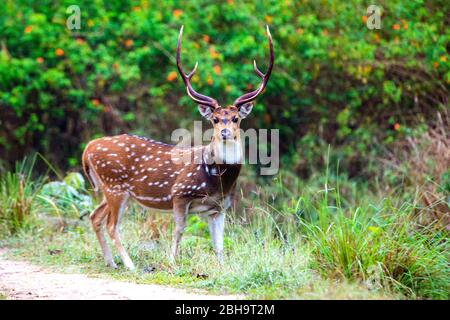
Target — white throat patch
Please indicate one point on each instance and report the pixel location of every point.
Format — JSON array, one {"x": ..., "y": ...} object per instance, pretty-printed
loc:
[{"x": 229, "y": 152}]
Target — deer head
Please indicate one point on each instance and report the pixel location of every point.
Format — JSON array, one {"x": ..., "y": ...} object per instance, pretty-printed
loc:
[{"x": 226, "y": 121}]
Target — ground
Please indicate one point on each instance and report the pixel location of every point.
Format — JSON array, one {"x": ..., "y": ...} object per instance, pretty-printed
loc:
[{"x": 22, "y": 280}]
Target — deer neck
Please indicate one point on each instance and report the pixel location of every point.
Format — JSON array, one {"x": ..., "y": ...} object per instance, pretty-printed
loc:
[
  {"x": 222, "y": 168},
  {"x": 226, "y": 152}
]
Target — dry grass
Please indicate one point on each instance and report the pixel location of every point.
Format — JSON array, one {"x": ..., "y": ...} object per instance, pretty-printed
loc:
[{"x": 424, "y": 163}]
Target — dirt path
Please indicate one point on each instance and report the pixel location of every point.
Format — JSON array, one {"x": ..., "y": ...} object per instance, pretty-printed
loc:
[{"x": 22, "y": 280}]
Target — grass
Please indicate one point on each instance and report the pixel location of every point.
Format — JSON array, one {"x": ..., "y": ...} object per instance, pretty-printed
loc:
[
  {"x": 385, "y": 251},
  {"x": 254, "y": 266},
  {"x": 313, "y": 244},
  {"x": 326, "y": 238},
  {"x": 18, "y": 190}
]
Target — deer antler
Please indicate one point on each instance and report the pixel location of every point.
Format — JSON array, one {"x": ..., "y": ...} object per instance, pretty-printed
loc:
[
  {"x": 265, "y": 77},
  {"x": 197, "y": 97}
]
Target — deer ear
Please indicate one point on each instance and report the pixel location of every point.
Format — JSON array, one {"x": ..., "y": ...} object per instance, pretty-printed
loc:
[
  {"x": 205, "y": 111},
  {"x": 245, "y": 110}
]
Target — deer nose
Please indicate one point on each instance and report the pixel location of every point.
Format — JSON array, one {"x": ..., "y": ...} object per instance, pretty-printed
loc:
[{"x": 225, "y": 134}]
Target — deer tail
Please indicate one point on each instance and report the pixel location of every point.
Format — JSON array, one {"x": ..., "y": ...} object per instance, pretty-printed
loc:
[{"x": 86, "y": 160}]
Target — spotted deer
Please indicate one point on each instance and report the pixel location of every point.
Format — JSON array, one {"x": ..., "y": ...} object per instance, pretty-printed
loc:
[{"x": 167, "y": 177}]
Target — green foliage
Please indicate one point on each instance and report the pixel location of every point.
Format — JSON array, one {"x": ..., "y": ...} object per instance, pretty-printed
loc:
[
  {"x": 445, "y": 182},
  {"x": 335, "y": 81},
  {"x": 23, "y": 197},
  {"x": 385, "y": 249},
  {"x": 18, "y": 192},
  {"x": 196, "y": 226},
  {"x": 66, "y": 198}
]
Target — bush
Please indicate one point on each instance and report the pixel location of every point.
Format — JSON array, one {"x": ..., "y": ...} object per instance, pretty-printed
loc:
[
  {"x": 335, "y": 81},
  {"x": 66, "y": 198}
]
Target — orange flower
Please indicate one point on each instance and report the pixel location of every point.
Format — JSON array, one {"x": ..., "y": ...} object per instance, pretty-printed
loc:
[
  {"x": 230, "y": 1},
  {"x": 95, "y": 102},
  {"x": 128, "y": 43},
  {"x": 206, "y": 38},
  {"x": 249, "y": 86},
  {"x": 28, "y": 29},
  {"x": 396, "y": 27},
  {"x": 405, "y": 25},
  {"x": 171, "y": 76},
  {"x": 268, "y": 19},
  {"x": 213, "y": 53},
  {"x": 435, "y": 64},
  {"x": 209, "y": 81},
  {"x": 217, "y": 69},
  {"x": 396, "y": 126},
  {"x": 443, "y": 58},
  {"x": 177, "y": 12},
  {"x": 136, "y": 9},
  {"x": 59, "y": 52},
  {"x": 115, "y": 65},
  {"x": 364, "y": 19},
  {"x": 39, "y": 60}
]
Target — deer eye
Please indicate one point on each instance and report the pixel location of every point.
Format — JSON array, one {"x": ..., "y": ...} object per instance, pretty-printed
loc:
[
  {"x": 235, "y": 119},
  {"x": 216, "y": 120}
]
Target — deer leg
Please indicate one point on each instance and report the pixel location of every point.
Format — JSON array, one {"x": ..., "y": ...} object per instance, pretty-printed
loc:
[
  {"x": 216, "y": 223},
  {"x": 98, "y": 217},
  {"x": 180, "y": 210},
  {"x": 117, "y": 206}
]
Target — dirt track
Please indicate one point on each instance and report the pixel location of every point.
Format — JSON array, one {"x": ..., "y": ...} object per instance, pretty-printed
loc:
[{"x": 22, "y": 280}]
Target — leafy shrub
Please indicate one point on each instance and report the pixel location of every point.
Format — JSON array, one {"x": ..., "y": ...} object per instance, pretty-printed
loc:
[
  {"x": 335, "y": 81},
  {"x": 67, "y": 197}
]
